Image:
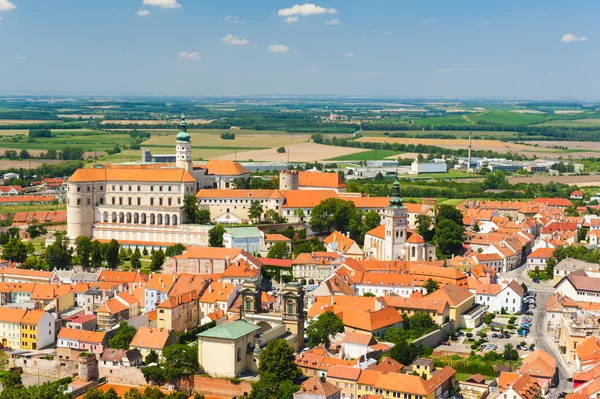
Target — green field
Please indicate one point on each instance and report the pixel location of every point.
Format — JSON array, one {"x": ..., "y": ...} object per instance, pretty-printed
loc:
[
  {"x": 369, "y": 155},
  {"x": 460, "y": 134},
  {"x": 508, "y": 118},
  {"x": 590, "y": 122},
  {"x": 88, "y": 140},
  {"x": 31, "y": 208},
  {"x": 456, "y": 120}
]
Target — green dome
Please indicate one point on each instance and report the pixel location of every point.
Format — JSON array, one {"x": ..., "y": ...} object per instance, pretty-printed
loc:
[{"x": 183, "y": 136}]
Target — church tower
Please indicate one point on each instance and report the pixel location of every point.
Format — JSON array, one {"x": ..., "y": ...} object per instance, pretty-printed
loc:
[
  {"x": 251, "y": 294},
  {"x": 293, "y": 312},
  {"x": 396, "y": 221},
  {"x": 184, "y": 147}
]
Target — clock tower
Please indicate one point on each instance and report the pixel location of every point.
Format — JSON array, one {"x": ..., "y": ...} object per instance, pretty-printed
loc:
[{"x": 395, "y": 220}]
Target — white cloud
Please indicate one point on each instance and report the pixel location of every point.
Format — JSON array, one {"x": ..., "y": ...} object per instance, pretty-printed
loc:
[
  {"x": 20, "y": 58},
  {"x": 234, "y": 40},
  {"x": 232, "y": 20},
  {"x": 350, "y": 55},
  {"x": 484, "y": 22},
  {"x": 305, "y": 9},
  {"x": 446, "y": 70},
  {"x": 6, "y": 5},
  {"x": 569, "y": 38},
  {"x": 333, "y": 22},
  {"x": 1, "y": 18},
  {"x": 523, "y": 68},
  {"x": 278, "y": 48},
  {"x": 291, "y": 20},
  {"x": 143, "y": 12},
  {"x": 184, "y": 55},
  {"x": 387, "y": 33},
  {"x": 312, "y": 68},
  {"x": 161, "y": 3},
  {"x": 428, "y": 20}
]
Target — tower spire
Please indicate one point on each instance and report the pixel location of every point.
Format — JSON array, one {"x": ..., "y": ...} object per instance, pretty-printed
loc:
[{"x": 396, "y": 200}]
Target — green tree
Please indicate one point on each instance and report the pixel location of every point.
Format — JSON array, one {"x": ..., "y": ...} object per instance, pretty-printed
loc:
[
  {"x": 571, "y": 211},
  {"x": 111, "y": 394},
  {"x": 94, "y": 393},
  {"x": 136, "y": 263},
  {"x": 190, "y": 208},
  {"x": 255, "y": 211},
  {"x": 215, "y": 236},
  {"x": 241, "y": 183},
  {"x": 12, "y": 378},
  {"x": 83, "y": 247},
  {"x": 277, "y": 359},
  {"x": 58, "y": 254},
  {"x": 495, "y": 180},
  {"x": 271, "y": 216},
  {"x": 550, "y": 264},
  {"x": 152, "y": 357},
  {"x": 279, "y": 250},
  {"x": 122, "y": 337},
  {"x": 489, "y": 318},
  {"x": 181, "y": 360},
  {"x": 448, "y": 238},
  {"x": 318, "y": 330},
  {"x": 158, "y": 259},
  {"x": 145, "y": 251},
  {"x": 111, "y": 254},
  {"x": 203, "y": 216},
  {"x": 96, "y": 257},
  {"x": 133, "y": 393},
  {"x": 425, "y": 226},
  {"x": 153, "y": 393},
  {"x": 431, "y": 285},
  {"x": 510, "y": 353},
  {"x": 582, "y": 234},
  {"x": 14, "y": 250},
  {"x": 449, "y": 212},
  {"x": 24, "y": 154},
  {"x": 175, "y": 250},
  {"x": 332, "y": 214}
]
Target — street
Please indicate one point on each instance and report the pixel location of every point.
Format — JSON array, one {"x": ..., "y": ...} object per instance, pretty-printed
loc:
[{"x": 538, "y": 335}]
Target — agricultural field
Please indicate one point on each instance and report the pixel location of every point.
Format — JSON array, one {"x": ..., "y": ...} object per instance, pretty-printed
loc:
[
  {"x": 9, "y": 122},
  {"x": 449, "y": 133},
  {"x": 89, "y": 140},
  {"x": 590, "y": 122},
  {"x": 302, "y": 152},
  {"x": 369, "y": 155}
]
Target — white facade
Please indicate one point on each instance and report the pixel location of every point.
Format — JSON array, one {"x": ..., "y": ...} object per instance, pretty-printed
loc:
[
  {"x": 507, "y": 299},
  {"x": 436, "y": 166},
  {"x": 46, "y": 331},
  {"x": 566, "y": 288},
  {"x": 10, "y": 334}
]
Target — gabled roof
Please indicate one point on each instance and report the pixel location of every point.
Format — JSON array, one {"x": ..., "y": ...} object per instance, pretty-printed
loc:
[
  {"x": 339, "y": 242},
  {"x": 11, "y": 315},
  {"x": 358, "y": 338},
  {"x": 452, "y": 294},
  {"x": 344, "y": 373},
  {"x": 539, "y": 364},
  {"x": 541, "y": 253},
  {"x": 151, "y": 338},
  {"x": 114, "y": 276},
  {"x": 558, "y": 202},
  {"x": 69, "y": 333},
  {"x": 319, "y": 388},
  {"x": 388, "y": 365}
]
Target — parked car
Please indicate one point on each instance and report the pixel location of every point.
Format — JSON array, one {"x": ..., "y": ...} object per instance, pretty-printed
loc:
[
  {"x": 519, "y": 347},
  {"x": 494, "y": 335},
  {"x": 529, "y": 313},
  {"x": 445, "y": 343},
  {"x": 506, "y": 335},
  {"x": 536, "y": 280},
  {"x": 522, "y": 333}
]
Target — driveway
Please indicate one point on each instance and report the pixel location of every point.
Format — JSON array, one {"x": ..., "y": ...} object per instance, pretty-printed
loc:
[{"x": 538, "y": 334}]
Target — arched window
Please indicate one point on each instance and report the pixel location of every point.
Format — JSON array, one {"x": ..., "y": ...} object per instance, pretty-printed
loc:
[
  {"x": 413, "y": 251},
  {"x": 249, "y": 304},
  {"x": 239, "y": 354}
]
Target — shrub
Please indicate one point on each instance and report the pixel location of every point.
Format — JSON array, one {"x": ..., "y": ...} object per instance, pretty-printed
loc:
[{"x": 281, "y": 150}]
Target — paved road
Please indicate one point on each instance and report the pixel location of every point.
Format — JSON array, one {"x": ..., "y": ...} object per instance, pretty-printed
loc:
[{"x": 538, "y": 335}]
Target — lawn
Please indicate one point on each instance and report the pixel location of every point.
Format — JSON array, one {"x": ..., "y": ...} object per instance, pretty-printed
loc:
[
  {"x": 541, "y": 275},
  {"x": 369, "y": 155},
  {"x": 466, "y": 376},
  {"x": 32, "y": 208}
]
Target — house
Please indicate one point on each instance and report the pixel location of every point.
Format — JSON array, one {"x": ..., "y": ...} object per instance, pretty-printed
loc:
[
  {"x": 148, "y": 339},
  {"x": 271, "y": 239},
  {"x": 344, "y": 378},
  {"x": 498, "y": 296},
  {"x": 115, "y": 358},
  {"x": 316, "y": 362},
  {"x": 217, "y": 296},
  {"x": 81, "y": 340},
  {"x": 37, "y": 330},
  {"x": 14, "y": 275},
  {"x": 315, "y": 180},
  {"x": 157, "y": 290},
  {"x": 29, "y": 218},
  {"x": 10, "y": 327},
  {"x": 579, "y": 287},
  {"x": 538, "y": 258},
  {"x": 517, "y": 386},
  {"x": 553, "y": 202},
  {"x": 247, "y": 238},
  {"x": 569, "y": 265},
  {"x": 207, "y": 260},
  {"x": 317, "y": 388},
  {"x": 577, "y": 195},
  {"x": 406, "y": 385},
  {"x": 356, "y": 345},
  {"x": 438, "y": 310},
  {"x": 461, "y": 302},
  {"x": 240, "y": 271},
  {"x": 53, "y": 297},
  {"x": 123, "y": 306},
  {"x": 343, "y": 245},
  {"x": 116, "y": 276},
  {"x": 179, "y": 313},
  {"x": 10, "y": 190},
  {"x": 388, "y": 365},
  {"x": 542, "y": 367}
]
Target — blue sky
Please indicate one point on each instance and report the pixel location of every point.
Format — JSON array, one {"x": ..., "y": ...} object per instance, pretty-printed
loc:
[{"x": 254, "y": 47}]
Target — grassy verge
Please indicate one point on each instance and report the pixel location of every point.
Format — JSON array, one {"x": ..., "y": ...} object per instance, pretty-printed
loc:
[{"x": 32, "y": 208}]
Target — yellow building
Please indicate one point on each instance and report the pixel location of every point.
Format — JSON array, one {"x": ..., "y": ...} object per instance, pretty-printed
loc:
[
  {"x": 405, "y": 386},
  {"x": 344, "y": 378},
  {"x": 10, "y": 327},
  {"x": 179, "y": 313},
  {"x": 37, "y": 330}
]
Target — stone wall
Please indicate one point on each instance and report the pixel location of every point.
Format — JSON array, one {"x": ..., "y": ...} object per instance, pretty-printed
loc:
[
  {"x": 123, "y": 375},
  {"x": 46, "y": 368},
  {"x": 434, "y": 338}
]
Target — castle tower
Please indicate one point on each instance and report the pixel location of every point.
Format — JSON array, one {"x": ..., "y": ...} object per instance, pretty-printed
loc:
[
  {"x": 251, "y": 297},
  {"x": 293, "y": 312},
  {"x": 396, "y": 221},
  {"x": 288, "y": 180},
  {"x": 183, "y": 147},
  {"x": 81, "y": 198}
]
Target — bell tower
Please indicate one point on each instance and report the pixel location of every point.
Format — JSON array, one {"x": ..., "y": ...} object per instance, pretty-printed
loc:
[
  {"x": 396, "y": 221},
  {"x": 183, "y": 147},
  {"x": 251, "y": 297},
  {"x": 293, "y": 312}
]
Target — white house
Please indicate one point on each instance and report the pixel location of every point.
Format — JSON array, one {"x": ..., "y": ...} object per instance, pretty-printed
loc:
[
  {"x": 249, "y": 239},
  {"x": 497, "y": 296},
  {"x": 356, "y": 345},
  {"x": 538, "y": 258},
  {"x": 579, "y": 287}
]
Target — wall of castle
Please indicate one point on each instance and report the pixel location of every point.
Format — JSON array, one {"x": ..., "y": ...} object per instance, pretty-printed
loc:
[{"x": 46, "y": 368}]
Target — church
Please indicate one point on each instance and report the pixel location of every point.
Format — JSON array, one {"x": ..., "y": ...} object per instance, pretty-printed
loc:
[{"x": 393, "y": 240}]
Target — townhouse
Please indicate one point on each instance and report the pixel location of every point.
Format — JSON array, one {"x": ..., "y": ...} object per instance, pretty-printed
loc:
[
  {"x": 148, "y": 339},
  {"x": 179, "y": 313},
  {"x": 81, "y": 340},
  {"x": 218, "y": 296},
  {"x": 157, "y": 289},
  {"x": 122, "y": 306},
  {"x": 396, "y": 385},
  {"x": 10, "y": 327},
  {"x": 37, "y": 330},
  {"x": 498, "y": 297}
]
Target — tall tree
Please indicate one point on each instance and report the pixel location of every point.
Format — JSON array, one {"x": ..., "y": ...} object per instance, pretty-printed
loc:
[
  {"x": 122, "y": 337},
  {"x": 158, "y": 259},
  {"x": 190, "y": 208},
  {"x": 431, "y": 285},
  {"x": 449, "y": 212},
  {"x": 203, "y": 216},
  {"x": 112, "y": 254},
  {"x": 96, "y": 254},
  {"x": 215, "y": 236},
  {"x": 14, "y": 250},
  {"x": 255, "y": 211},
  {"x": 448, "y": 238},
  {"x": 58, "y": 255},
  {"x": 425, "y": 227},
  {"x": 318, "y": 330},
  {"x": 279, "y": 250},
  {"x": 277, "y": 359},
  {"x": 136, "y": 263},
  {"x": 332, "y": 214}
]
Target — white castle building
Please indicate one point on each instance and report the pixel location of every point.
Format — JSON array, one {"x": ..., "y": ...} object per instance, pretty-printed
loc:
[{"x": 141, "y": 204}]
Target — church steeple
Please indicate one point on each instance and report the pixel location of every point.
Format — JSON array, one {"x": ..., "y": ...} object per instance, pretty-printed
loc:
[
  {"x": 395, "y": 200},
  {"x": 183, "y": 153},
  {"x": 183, "y": 135}
]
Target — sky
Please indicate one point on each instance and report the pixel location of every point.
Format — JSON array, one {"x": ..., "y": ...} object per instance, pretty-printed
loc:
[{"x": 376, "y": 48}]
